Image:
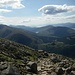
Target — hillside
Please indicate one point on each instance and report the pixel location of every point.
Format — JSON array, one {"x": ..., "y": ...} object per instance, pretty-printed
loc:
[
  {"x": 59, "y": 48},
  {"x": 19, "y": 35},
  {"x": 18, "y": 59},
  {"x": 68, "y": 40},
  {"x": 34, "y": 29},
  {"x": 64, "y": 46},
  {"x": 69, "y": 25},
  {"x": 56, "y": 32},
  {"x": 58, "y": 40},
  {"x": 49, "y": 33},
  {"x": 15, "y": 53}
]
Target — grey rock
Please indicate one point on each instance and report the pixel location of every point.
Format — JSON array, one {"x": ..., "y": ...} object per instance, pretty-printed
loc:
[
  {"x": 68, "y": 70},
  {"x": 46, "y": 54},
  {"x": 3, "y": 66},
  {"x": 60, "y": 71},
  {"x": 32, "y": 66},
  {"x": 6, "y": 68},
  {"x": 53, "y": 73},
  {"x": 55, "y": 59},
  {"x": 72, "y": 73}
]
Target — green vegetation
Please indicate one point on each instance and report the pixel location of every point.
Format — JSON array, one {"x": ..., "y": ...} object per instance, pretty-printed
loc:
[
  {"x": 11, "y": 51},
  {"x": 59, "y": 40},
  {"x": 19, "y": 35},
  {"x": 59, "y": 48}
]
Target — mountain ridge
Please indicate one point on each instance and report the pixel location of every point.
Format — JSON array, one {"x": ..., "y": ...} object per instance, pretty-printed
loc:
[{"x": 59, "y": 40}]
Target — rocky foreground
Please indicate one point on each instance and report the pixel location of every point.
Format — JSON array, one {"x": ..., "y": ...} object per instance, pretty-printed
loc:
[
  {"x": 56, "y": 65},
  {"x": 17, "y": 59},
  {"x": 50, "y": 64}
]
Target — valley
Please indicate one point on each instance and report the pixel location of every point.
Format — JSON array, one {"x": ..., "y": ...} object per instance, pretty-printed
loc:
[{"x": 51, "y": 51}]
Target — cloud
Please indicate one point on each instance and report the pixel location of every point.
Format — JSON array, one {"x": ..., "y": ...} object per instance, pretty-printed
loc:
[
  {"x": 71, "y": 17},
  {"x": 12, "y": 4},
  {"x": 37, "y": 21},
  {"x": 5, "y": 10},
  {"x": 56, "y": 9},
  {"x": 26, "y": 21},
  {"x": 15, "y": 4}
]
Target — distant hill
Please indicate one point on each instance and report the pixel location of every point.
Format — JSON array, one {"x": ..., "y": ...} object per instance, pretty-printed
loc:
[
  {"x": 12, "y": 51},
  {"x": 35, "y": 36},
  {"x": 24, "y": 27},
  {"x": 69, "y": 25},
  {"x": 68, "y": 40},
  {"x": 58, "y": 39},
  {"x": 50, "y": 32},
  {"x": 56, "y": 31},
  {"x": 19, "y": 35},
  {"x": 32, "y": 29},
  {"x": 64, "y": 46}
]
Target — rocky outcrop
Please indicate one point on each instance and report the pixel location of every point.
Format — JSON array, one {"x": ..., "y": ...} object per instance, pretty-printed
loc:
[
  {"x": 17, "y": 59},
  {"x": 53, "y": 64},
  {"x": 6, "y": 68},
  {"x": 56, "y": 65}
]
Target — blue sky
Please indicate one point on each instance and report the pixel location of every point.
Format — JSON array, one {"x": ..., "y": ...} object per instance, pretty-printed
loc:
[{"x": 36, "y": 12}]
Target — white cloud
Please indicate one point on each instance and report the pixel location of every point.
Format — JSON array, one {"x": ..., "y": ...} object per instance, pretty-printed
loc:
[
  {"x": 5, "y": 10},
  {"x": 36, "y": 21},
  {"x": 15, "y": 4},
  {"x": 71, "y": 17},
  {"x": 56, "y": 9}
]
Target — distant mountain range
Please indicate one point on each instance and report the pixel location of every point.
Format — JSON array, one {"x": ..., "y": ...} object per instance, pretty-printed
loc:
[
  {"x": 31, "y": 35},
  {"x": 57, "y": 39},
  {"x": 33, "y": 29},
  {"x": 70, "y": 25},
  {"x": 19, "y": 35}
]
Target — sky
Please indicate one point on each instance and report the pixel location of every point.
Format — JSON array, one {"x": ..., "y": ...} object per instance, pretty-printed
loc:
[{"x": 36, "y": 13}]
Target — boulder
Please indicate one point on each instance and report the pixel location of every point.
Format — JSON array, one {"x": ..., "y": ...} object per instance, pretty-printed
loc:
[
  {"x": 72, "y": 73},
  {"x": 53, "y": 73},
  {"x": 46, "y": 54},
  {"x": 32, "y": 66},
  {"x": 64, "y": 63},
  {"x": 55, "y": 59},
  {"x": 60, "y": 71},
  {"x": 7, "y": 68},
  {"x": 68, "y": 70},
  {"x": 3, "y": 66}
]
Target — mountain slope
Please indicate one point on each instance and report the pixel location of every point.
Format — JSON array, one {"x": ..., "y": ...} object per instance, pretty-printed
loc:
[
  {"x": 50, "y": 34},
  {"x": 51, "y": 31},
  {"x": 53, "y": 39},
  {"x": 64, "y": 46},
  {"x": 68, "y": 40},
  {"x": 57, "y": 32},
  {"x": 32, "y": 29},
  {"x": 14, "y": 50},
  {"x": 19, "y": 35},
  {"x": 69, "y": 25},
  {"x": 15, "y": 54},
  {"x": 18, "y": 59},
  {"x": 37, "y": 36}
]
